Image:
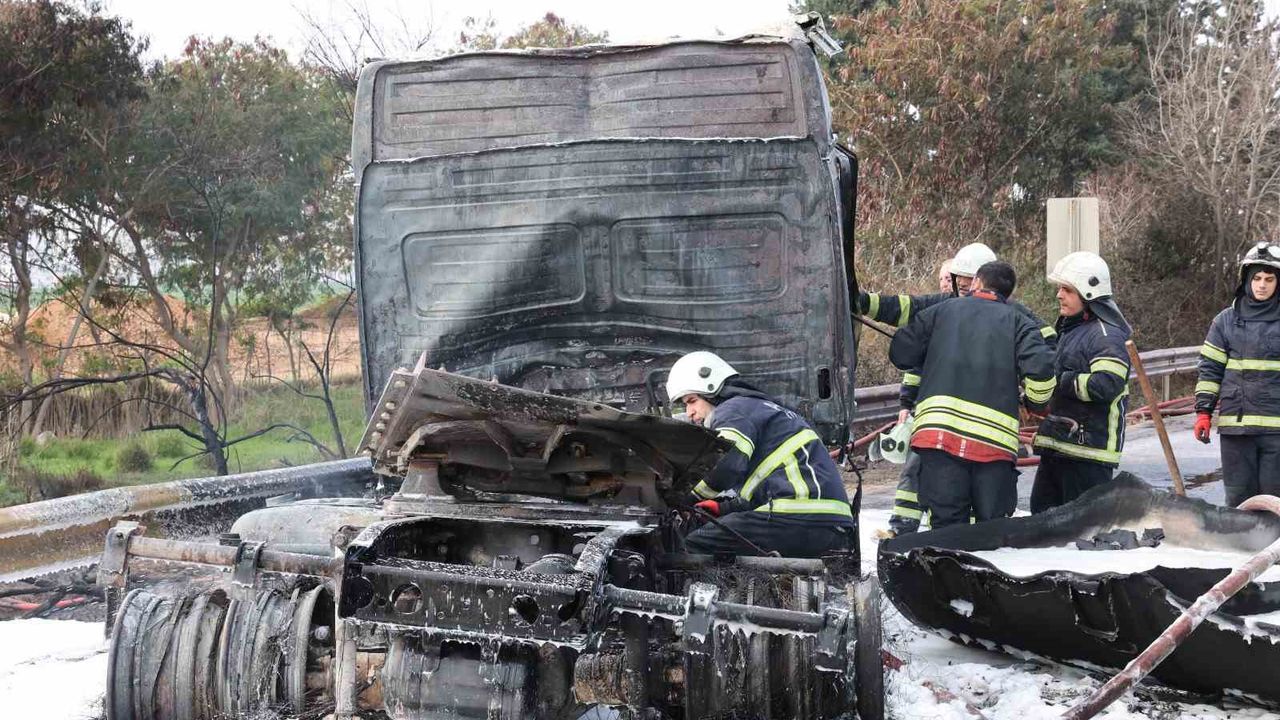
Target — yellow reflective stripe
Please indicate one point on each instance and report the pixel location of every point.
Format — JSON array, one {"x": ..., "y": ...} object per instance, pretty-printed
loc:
[
  {"x": 792, "y": 469},
  {"x": 775, "y": 460},
  {"x": 1047, "y": 331},
  {"x": 1115, "y": 423},
  {"x": 1213, "y": 352},
  {"x": 740, "y": 441},
  {"x": 1079, "y": 451},
  {"x": 1039, "y": 391},
  {"x": 807, "y": 507},
  {"x": 904, "y": 309},
  {"x": 704, "y": 491},
  {"x": 1208, "y": 386},
  {"x": 972, "y": 428},
  {"x": 1111, "y": 365},
  {"x": 910, "y": 379},
  {"x": 1267, "y": 421},
  {"x": 983, "y": 412},
  {"x": 907, "y": 495},
  {"x": 907, "y": 512},
  {"x": 873, "y": 304},
  {"x": 1082, "y": 386},
  {"x": 1243, "y": 364}
]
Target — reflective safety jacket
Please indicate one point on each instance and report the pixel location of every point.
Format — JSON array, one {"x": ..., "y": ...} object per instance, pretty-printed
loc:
[
  {"x": 1240, "y": 375},
  {"x": 778, "y": 464},
  {"x": 898, "y": 310},
  {"x": 974, "y": 352},
  {"x": 1086, "y": 414}
]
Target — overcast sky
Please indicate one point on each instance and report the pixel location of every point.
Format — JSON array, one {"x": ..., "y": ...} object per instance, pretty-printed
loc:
[{"x": 169, "y": 23}]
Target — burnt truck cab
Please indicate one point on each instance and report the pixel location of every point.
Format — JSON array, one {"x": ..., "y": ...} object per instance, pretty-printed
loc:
[{"x": 539, "y": 236}]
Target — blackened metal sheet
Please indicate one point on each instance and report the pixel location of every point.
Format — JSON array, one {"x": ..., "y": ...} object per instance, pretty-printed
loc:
[
  {"x": 1102, "y": 620},
  {"x": 526, "y": 419},
  {"x": 480, "y": 101},
  {"x": 587, "y": 269}
]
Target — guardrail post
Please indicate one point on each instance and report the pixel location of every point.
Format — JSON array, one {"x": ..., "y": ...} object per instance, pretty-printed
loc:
[{"x": 1164, "y": 389}]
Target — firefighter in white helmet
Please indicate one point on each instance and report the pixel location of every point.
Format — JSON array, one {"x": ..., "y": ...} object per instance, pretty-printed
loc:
[
  {"x": 1080, "y": 440},
  {"x": 777, "y": 486},
  {"x": 955, "y": 279},
  {"x": 1240, "y": 376}
]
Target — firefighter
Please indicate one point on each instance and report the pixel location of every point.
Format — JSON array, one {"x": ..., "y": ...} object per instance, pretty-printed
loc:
[
  {"x": 1080, "y": 440},
  {"x": 907, "y": 510},
  {"x": 898, "y": 310},
  {"x": 974, "y": 352},
  {"x": 777, "y": 486},
  {"x": 954, "y": 278},
  {"x": 1240, "y": 375}
]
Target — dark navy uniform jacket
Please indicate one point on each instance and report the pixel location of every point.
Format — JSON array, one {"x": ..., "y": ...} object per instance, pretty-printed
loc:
[
  {"x": 778, "y": 463},
  {"x": 1092, "y": 367}
]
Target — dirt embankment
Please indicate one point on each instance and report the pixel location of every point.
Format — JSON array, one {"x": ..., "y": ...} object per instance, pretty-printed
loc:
[{"x": 257, "y": 349}]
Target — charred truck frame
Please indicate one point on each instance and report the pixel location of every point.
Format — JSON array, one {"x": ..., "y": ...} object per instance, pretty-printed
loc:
[{"x": 539, "y": 236}]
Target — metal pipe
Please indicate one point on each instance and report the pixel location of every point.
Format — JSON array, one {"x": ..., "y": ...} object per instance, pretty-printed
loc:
[
  {"x": 1187, "y": 622},
  {"x": 207, "y": 554},
  {"x": 677, "y": 605},
  {"x": 687, "y": 561}
]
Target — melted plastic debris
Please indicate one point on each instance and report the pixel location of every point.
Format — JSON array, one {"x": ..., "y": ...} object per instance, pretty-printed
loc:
[{"x": 1026, "y": 562}]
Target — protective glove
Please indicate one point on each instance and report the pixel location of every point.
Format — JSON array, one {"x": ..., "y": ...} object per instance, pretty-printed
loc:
[
  {"x": 711, "y": 506},
  {"x": 1203, "y": 421}
]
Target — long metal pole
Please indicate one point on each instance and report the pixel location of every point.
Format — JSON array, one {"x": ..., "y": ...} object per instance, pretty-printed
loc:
[
  {"x": 887, "y": 332},
  {"x": 1153, "y": 405},
  {"x": 1187, "y": 622}
]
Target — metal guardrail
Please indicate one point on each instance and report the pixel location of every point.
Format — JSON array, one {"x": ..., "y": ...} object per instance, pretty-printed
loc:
[{"x": 881, "y": 401}]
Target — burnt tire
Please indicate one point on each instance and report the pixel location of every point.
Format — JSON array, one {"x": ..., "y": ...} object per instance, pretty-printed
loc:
[{"x": 868, "y": 662}]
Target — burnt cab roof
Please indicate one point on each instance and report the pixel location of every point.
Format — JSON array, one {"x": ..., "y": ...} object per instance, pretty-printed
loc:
[{"x": 572, "y": 221}]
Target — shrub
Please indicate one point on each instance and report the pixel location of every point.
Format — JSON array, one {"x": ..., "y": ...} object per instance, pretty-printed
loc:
[
  {"x": 170, "y": 446},
  {"x": 133, "y": 458},
  {"x": 80, "y": 450},
  {"x": 38, "y": 485}
]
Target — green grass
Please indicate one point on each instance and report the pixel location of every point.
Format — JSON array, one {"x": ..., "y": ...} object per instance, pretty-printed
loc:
[{"x": 259, "y": 408}]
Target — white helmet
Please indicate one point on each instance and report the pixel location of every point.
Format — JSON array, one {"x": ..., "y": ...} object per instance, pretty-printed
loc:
[
  {"x": 1264, "y": 253},
  {"x": 698, "y": 373},
  {"x": 1084, "y": 272},
  {"x": 970, "y": 258}
]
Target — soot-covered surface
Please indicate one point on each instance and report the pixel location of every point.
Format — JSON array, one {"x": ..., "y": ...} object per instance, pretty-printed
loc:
[{"x": 1101, "y": 618}]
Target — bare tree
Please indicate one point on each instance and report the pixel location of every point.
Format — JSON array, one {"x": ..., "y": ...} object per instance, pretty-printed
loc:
[
  {"x": 1212, "y": 121},
  {"x": 342, "y": 42},
  {"x": 321, "y": 361}
]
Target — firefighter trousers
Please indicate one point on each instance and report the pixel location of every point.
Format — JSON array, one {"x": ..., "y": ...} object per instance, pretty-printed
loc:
[
  {"x": 1060, "y": 480},
  {"x": 907, "y": 510},
  {"x": 1250, "y": 466},
  {"x": 954, "y": 489},
  {"x": 800, "y": 536}
]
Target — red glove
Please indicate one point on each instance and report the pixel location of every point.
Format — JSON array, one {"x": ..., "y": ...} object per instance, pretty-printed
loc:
[
  {"x": 710, "y": 506},
  {"x": 1202, "y": 426}
]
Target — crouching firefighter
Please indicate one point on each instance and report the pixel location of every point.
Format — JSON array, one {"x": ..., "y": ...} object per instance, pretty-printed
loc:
[
  {"x": 1240, "y": 375},
  {"x": 974, "y": 351},
  {"x": 787, "y": 494},
  {"x": 1080, "y": 440}
]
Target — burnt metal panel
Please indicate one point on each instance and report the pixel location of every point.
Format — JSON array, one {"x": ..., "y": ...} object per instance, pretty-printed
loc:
[
  {"x": 480, "y": 101},
  {"x": 1097, "y": 620},
  {"x": 587, "y": 269}
]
